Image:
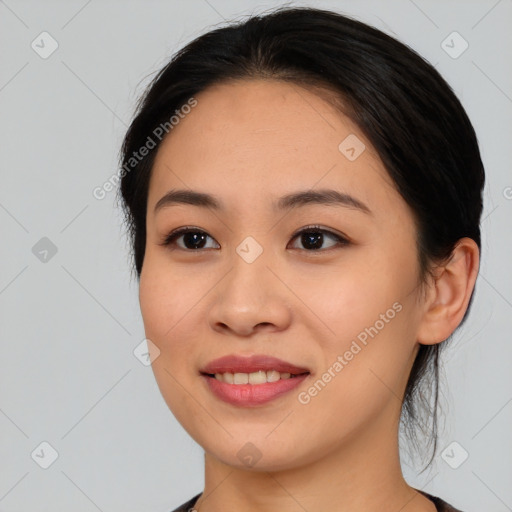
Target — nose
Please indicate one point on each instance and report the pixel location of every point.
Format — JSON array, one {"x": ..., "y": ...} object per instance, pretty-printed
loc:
[{"x": 251, "y": 298}]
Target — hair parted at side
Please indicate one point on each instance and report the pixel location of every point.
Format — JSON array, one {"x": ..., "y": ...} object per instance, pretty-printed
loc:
[{"x": 400, "y": 102}]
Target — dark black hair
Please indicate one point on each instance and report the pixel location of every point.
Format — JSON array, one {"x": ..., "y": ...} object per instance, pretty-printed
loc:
[{"x": 400, "y": 102}]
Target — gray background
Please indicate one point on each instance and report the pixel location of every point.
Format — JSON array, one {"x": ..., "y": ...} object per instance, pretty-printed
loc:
[{"x": 70, "y": 323}]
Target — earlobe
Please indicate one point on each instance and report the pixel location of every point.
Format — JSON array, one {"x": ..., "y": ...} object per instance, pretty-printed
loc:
[{"x": 450, "y": 293}]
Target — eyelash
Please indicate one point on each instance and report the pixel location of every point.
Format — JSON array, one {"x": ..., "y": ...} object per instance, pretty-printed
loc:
[{"x": 170, "y": 239}]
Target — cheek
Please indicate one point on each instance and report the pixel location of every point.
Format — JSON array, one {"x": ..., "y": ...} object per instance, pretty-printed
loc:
[
  {"x": 365, "y": 363},
  {"x": 165, "y": 299},
  {"x": 166, "y": 295},
  {"x": 157, "y": 306},
  {"x": 352, "y": 298},
  {"x": 368, "y": 313}
]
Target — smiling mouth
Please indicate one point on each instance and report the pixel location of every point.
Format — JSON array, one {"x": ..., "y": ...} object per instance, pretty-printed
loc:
[
  {"x": 255, "y": 378},
  {"x": 254, "y": 389}
]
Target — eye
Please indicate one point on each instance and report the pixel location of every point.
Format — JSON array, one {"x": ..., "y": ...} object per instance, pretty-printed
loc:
[
  {"x": 312, "y": 237},
  {"x": 193, "y": 238}
]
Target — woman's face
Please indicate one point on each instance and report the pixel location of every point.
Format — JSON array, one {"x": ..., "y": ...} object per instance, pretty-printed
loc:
[{"x": 347, "y": 312}]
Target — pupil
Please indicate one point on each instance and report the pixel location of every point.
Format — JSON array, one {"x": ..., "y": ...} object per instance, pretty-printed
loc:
[
  {"x": 195, "y": 240},
  {"x": 193, "y": 237},
  {"x": 315, "y": 239}
]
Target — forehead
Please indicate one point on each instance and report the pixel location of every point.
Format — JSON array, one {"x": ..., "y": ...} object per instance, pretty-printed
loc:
[{"x": 262, "y": 136}]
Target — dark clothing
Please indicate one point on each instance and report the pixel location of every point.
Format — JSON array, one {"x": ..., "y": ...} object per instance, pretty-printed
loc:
[{"x": 441, "y": 505}]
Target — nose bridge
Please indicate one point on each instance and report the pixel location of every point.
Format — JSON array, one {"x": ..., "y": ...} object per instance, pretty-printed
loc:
[
  {"x": 249, "y": 294},
  {"x": 249, "y": 277}
]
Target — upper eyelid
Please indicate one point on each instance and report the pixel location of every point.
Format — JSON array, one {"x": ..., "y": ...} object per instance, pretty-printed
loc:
[
  {"x": 318, "y": 228},
  {"x": 173, "y": 235}
]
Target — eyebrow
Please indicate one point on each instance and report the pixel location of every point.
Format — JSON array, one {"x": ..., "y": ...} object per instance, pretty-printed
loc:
[{"x": 296, "y": 199}]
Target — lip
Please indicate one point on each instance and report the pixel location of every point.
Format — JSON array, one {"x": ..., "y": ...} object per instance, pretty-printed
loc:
[
  {"x": 252, "y": 395},
  {"x": 239, "y": 364}
]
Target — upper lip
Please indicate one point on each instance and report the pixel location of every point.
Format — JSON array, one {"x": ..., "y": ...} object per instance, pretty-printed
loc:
[{"x": 239, "y": 364}]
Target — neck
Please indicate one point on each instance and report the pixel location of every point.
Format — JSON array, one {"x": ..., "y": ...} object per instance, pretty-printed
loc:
[{"x": 362, "y": 473}]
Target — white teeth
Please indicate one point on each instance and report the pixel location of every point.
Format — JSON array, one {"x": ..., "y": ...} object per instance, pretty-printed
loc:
[
  {"x": 228, "y": 377},
  {"x": 259, "y": 377},
  {"x": 240, "y": 378},
  {"x": 273, "y": 376}
]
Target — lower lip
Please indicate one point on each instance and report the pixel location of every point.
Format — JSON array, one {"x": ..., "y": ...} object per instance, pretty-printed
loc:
[{"x": 249, "y": 395}]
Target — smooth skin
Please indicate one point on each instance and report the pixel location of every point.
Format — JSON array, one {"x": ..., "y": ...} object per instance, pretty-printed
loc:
[{"x": 249, "y": 142}]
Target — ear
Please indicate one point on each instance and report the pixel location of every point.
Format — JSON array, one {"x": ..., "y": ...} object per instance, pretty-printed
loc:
[{"x": 449, "y": 293}]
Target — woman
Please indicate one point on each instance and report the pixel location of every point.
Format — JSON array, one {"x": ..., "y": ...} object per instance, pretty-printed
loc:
[{"x": 303, "y": 195}]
